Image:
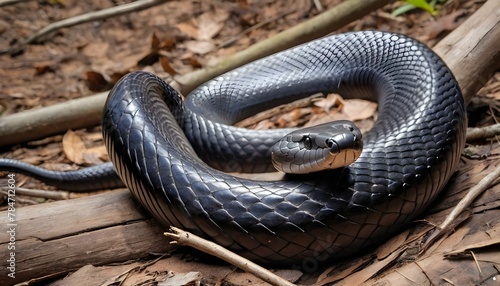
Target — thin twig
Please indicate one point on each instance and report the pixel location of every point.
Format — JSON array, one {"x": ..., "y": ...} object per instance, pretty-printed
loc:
[
  {"x": 481, "y": 133},
  {"x": 254, "y": 27},
  {"x": 473, "y": 193},
  {"x": 19, "y": 200},
  {"x": 318, "y": 5},
  {"x": 84, "y": 18},
  {"x": 10, "y": 2},
  {"x": 54, "y": 195},
  {"x": 185, "y": 238},
  {"x": 477, "y": 263}
]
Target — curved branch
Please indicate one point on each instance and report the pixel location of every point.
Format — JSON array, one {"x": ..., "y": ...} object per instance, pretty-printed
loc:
[{"x": 84, "y": 18}]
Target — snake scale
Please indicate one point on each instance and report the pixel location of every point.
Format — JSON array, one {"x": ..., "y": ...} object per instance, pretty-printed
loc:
[{"x": 155, "y": 141}]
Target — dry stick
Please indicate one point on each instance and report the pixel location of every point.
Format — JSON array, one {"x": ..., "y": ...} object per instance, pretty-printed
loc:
[
  {"x": 19, "y": 200},
  {"x": 51, "y": 195},
  {"x": 255, "y": 27},
  {"x": 481, "y": 133},
  {"x": 471, "y": 195},
  {"x": 10, "y": 2},
  {"x": 40, "y": 123},
  {"x": 185, "y": 238},
  {"x": 84, "y": 18},
  {"x": 318, "y": 5},
  {"x": 54, "y": 119}
]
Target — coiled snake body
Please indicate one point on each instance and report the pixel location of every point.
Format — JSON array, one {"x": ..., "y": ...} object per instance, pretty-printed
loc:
[{"x": 408, "y": 156}]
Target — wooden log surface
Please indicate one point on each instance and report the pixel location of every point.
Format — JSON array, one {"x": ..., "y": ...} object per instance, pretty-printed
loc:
[
  {"x": 58, "y": 237},
  {"x": 472, "y": 51}
]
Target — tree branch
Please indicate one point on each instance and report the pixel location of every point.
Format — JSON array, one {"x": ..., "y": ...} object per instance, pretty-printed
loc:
[{"x": 84, "y": 18}]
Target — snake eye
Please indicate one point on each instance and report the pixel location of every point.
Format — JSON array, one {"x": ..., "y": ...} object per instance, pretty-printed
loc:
[
  {"x": 307, "y": 140},
  {"x": 332, "y": 145}
]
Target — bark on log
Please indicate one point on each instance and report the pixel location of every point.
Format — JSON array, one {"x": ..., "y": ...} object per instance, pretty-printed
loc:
[
  {"x": 472, "y": 51},
  {"x": 55, "y": 238},
  {"x": 55, "y": 119},
  {"x": 111, "y": 227},
  {"x": 85, "y": 112}
]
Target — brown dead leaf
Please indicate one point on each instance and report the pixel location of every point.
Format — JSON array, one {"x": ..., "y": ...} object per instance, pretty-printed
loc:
[
  {"x": 78, "y": 153},
  {"x": 97, "y": 275},
  {"x": 329, "y": 101},
  {"x": 366, "y": 273},
  {"x": 477, "y": 151},
  {"x": 199, "y": 47},
  {"x": 492, "y": 88},
  {"x": 392, "y": 245},
  {"x": 149, "y": 59},
  {"x": 94, "y": 136},
  {"x": 293, "y": 117},
  {"x": 44, "y": 67},
  {"x": 169, "y": 42},
  {"x": 465, "y": 251},
  {"x": 72, "y": 146},
  {"x": 221, "y": 15},
  {"x": 188, "y": 29},
  {"x": 155, "y": 42},
  {"x": 320, "y": 118},
  {"x": 338, "y": 274},
  {"x": 129, "y": 60},
  {"x": 247, "y": 279},
  {"x": 163, "y": 41},
  {"x": 348, "y": 109},
  {"x": 190, "y": 278},
  {"x": 96, "y": 81},
  {"x": 444, "y": 23},
  {"x": 166, "y": 66},
  {"x": 205, "y": 27},
  {"x": 358, "y": 109},
  {"x": 95, "y": 155},
  {"x": 96, "y": 49},
  {"x": 195, "y": 62},
  {"x": 265, "y": 124},
  {"x": 208, "y": 26}
]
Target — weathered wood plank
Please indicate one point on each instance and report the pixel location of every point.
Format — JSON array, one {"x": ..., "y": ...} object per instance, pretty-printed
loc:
[{"x": 58, "y": 237}]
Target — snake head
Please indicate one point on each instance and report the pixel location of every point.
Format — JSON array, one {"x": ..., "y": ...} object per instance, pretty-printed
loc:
[{"x": 322, "y": 147}]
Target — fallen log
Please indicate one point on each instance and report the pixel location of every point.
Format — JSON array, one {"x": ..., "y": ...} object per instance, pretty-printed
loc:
[
  {"x": 111, "y": 227},
  {"x": 472, "y": 51},
  {"x": 55, "y": 238}
]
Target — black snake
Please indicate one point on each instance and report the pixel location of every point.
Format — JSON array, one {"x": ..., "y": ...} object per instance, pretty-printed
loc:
[{"x": 408, "y": 156}]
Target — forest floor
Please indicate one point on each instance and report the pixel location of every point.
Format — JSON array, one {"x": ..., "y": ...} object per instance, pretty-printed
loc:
[{"x": 88, "y": 58}]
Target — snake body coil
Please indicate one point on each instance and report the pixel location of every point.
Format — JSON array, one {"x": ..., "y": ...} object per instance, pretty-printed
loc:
[{"x": 408, "y": 156}]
